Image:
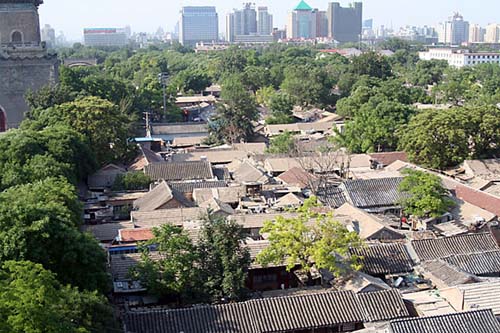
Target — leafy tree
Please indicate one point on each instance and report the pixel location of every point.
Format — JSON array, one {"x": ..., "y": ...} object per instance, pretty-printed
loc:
[
  {"x": 371, "y": 64},
  {"x": 28, "y": 155},
  {"x": 33, "y": 300},
  {"x": 223, "y": 259},
  {"x": 445, "y": 138},
  {"x": 192, "y": 80},
  {"x": 428, "y": 72},
  {"x": 373, "y": 129},
  {"x": 324, "y": 245},
  {"x": 101, "y": 122},
  {"x": 435, "y": 139},
  {"x": 282, "y": 144},
  {"x": 132, "y": 181},
  {"x": 307, "y": 84},
  {"x": 263, "y": 95},
  {"x": 39, "y": 222},
  {"x": 424, "y": 194},
  {"x": 235, "y": 116},
  {"x": 172, "y": 274}
]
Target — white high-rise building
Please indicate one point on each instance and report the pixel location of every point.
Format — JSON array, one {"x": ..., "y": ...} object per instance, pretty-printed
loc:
[
  {"x": 455, "y": 31},
  {"x": 492, "y": 33},
  {"x": 247, "y": 25},
  {"x": 476, "y": 34}
]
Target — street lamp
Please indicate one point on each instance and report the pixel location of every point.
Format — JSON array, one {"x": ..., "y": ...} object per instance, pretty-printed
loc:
[{"x": 163, "y": 79}]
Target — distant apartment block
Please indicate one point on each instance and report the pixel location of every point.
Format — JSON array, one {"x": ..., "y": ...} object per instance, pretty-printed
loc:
[
  {"x": 198, "y": 24},
  {"x": 460, "y": 58},
  {"x": 476, "y": 34},
  {"x": 248, "y": 25},
  {"x": 264, "y": 22},
  {"x": 455, "y": 31},
  {"x": 492, "y": 34},
  {"x": 345, "y": 24},
  {"x": 49, "y": 35},
  {"x": 102, "y": 37}
]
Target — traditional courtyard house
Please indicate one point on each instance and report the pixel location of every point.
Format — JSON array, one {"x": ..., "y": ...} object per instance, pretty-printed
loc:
[
  {"x": 180, "y": 171},
  {"x": 161, "y": 197},
  {"x": 104, "y": 178}
]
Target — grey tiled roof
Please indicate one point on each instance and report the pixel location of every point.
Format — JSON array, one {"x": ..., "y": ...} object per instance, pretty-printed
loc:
[
  {"x": 332, "y": 196},
  {"x": 385, "y": 259},
  {"x": 483, "y": 263},
  {"x": 448, "y": 274},
  {"x": 365, "y": 193},
  {"x": 430, "y": 249},
  {"x": 383, "y": 305},
  {"x": 278, "y": 314},
  {"x": 189, "y": 187},
  {"x": 264, "y": 315},
  {"x": 463, "y": 322},
  {"x": 176, "y": 171}
]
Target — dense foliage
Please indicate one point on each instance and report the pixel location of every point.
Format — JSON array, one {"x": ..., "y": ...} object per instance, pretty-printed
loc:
[
  {"x": 131, "y": 181},
  {"x": 33, "y": 300},
  {"x": 310, "y": 240},
  {"x": 213, "y": 270},
  {"x": 424, "y": 194}
]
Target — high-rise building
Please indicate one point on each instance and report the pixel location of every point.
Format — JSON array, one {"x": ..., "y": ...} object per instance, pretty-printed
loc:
[
  {"x": 345, "y": 23},
  {"x": 105, "y": 37},
  {"x": 247, "y": 25},
  {"x": 265, "y": 22},
  {"x": 476, "y": 34},
  {"x": 198, "y": 24},
  {"x": 492, "y": 33},
  {"x": 455, "y": 31},
  {"x": 321, "y": 23},
  {"x": 25, "y": 63},
  {"x": 302, "y": 22},
  {"x": 49, "y": 36}
]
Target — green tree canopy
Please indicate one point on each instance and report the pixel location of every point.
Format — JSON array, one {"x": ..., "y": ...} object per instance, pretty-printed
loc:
[
  {"x": 371, "y": 64},
  {"x": 104, "y": 126},
  {"x": 33, "y": 300},
  {"x": 132, "y": 181},
  {"x": 172, "y": 275},
  {"x": 28, "y": 156},
  {"x": 282, "y": 144},
  {"x": 323, "y": 244},
  {"x": 39, "y": 222},
  {"x": 424, "y": 194},
  {"x": 236, "y": 114},
  {"x": 223, "y": 260},
  {"x": 373, "y": 128}
]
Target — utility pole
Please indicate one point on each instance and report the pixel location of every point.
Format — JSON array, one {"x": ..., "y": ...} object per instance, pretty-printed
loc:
[
  {"x": 148, "y": 125},
  {"x": 163, "y": 79}
]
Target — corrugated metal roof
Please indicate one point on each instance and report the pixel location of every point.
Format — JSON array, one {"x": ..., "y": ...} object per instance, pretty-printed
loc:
[
  {"x": 366, "y": 193},
  {"x": 482, "y": 296}
]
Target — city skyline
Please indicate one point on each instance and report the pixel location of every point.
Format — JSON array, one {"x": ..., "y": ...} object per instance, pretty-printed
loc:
[{"x": 72, "y": 17}]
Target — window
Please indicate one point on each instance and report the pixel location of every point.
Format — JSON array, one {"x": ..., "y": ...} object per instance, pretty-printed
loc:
[{"x": 16, "y": 37}]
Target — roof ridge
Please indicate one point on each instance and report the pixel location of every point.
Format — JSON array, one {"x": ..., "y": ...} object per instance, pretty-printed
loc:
[{"x": 453, "y": 314}]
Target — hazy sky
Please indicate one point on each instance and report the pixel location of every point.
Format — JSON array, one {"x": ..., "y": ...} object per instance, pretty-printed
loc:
[{"x": 71, "y": 16}]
